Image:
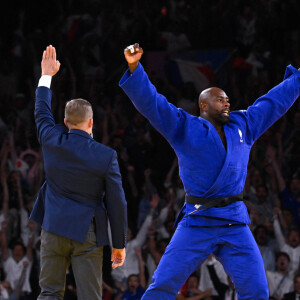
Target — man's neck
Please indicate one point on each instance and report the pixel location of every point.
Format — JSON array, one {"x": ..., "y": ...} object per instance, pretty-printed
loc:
[
  {"x": 80, "y": 128},
  {"x": 218, "y": 126}
]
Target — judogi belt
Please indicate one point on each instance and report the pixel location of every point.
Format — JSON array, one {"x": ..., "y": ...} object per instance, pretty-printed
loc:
[{"x": 204, "y": 203}]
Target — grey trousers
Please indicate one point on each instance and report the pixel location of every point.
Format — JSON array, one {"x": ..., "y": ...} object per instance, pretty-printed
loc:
[{"x": 57, "y": 253}]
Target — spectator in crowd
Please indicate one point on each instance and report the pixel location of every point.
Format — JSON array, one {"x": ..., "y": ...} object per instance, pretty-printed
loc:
[
  {"x": 17, "y": 266},
  {"x": 286, "y": 220},
  {"x": 289, "y": 193},
  {"x": 246, "y": 27},
  {"x": 173, "y": 179},
  {"x": 295, "y": 294},
  {"x": 265, "y": 246},
  {"x": 134, "y": 291},
  {"x": 156, "y": 248},
  {"x": 33, "y": 174},
  {"x": 192, "y": 291},
  {"x": 261, "y": 208},
  {"x": 263, "y": 204},
  {"x": 5, "y": 196},
  {"x": 136, "y": 284},
  {"x": 131, "y": 264},
  {"x": 279, "y": 281},
  {"x": 291, "y": 245},
  {"x": 225, "y": 291},
  {"x": 175, "y": 39},
  {"x": 206, "y": 281}
]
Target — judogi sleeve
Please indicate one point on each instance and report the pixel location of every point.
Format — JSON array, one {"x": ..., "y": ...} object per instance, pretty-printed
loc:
[
  {"x": 270, "y": 107},
  {"x": 163, "y": 115}
]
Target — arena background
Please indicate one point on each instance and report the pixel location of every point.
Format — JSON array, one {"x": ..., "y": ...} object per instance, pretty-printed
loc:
[{"x": 242, "y": 47}]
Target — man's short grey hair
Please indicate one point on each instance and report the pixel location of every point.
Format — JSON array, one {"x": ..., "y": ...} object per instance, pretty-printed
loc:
[{"x": 78, "y": 111}]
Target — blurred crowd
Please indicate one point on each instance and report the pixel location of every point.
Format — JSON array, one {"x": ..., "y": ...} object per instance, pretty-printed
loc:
[{"x": 263, "y": 37}]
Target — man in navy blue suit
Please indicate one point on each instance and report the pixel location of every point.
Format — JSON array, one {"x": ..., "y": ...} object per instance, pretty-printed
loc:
[{"x": 83, "y": 188}]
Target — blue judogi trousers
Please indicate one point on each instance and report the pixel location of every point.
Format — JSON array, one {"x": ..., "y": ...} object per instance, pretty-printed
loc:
[{"x": 233, "y": 245}]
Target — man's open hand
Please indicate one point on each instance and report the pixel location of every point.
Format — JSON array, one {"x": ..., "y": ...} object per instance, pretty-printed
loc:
[
  {"x": 49, "y": 64},
  {"x": 118, "y": 257},
  {"x": 133, "y": 54}
]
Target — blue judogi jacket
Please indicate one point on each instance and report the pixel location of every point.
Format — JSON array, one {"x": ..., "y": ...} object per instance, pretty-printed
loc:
[
  {"x": 205, "y": 167},
  {"x": 79, "y": 172}
]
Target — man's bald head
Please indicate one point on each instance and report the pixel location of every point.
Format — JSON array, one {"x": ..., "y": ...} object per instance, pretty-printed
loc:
[
  {"x": 214, "y": 105},
  {"x": 208, "y": 95}
]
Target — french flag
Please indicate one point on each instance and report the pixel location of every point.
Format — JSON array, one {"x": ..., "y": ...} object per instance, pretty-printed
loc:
[
  {"x": 198, "y": 66},
  {"x": 201, "y": 75}
]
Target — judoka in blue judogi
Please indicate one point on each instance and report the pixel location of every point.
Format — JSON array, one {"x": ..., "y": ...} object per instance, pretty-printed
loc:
[{"x": 213, "y": 152}]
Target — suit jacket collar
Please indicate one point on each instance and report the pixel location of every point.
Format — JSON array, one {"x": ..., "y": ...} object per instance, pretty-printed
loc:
[{"x": 80, "y": 132}]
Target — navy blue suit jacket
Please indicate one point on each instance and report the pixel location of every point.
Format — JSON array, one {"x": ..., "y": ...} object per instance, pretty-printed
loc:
[{"x": 80, "y": 172}]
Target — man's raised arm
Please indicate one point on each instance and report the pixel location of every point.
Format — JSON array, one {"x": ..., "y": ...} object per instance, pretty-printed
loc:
[
  {"x": 155, "y": 107},
  {"x": 43, "y": 116},
  {"x": 270, "y": 107}
]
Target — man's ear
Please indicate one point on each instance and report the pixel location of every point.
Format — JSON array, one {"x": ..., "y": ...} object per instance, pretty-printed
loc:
[
  {"x": 91, "y": 122},
  {"x": 66, "y": 123},
  {"x": 203, "y": 106}
]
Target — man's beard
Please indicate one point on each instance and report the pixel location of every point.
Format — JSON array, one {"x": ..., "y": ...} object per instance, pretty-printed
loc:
[{"x": 221, "y": 118}]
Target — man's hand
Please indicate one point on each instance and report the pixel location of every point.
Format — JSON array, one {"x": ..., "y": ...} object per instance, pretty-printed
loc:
[
  {"x": 118, "y": 257},
  {"x": 133, "y": 54},
  {"x": 49, "y": 64}
]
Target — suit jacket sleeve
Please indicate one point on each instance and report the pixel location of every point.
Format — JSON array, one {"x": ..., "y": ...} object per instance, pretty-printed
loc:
[
  {"x": 270, "y": 107},
  {"x": 43, "y": 116},
  {"x": 116, "y": 204}
]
